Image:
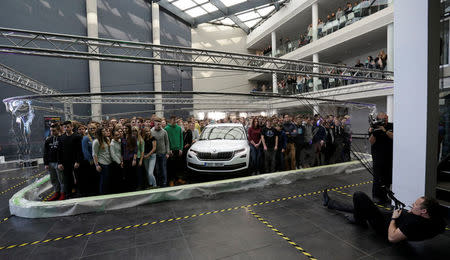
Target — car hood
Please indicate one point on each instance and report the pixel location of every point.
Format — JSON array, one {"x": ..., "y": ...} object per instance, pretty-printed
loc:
[{"x": 219, "y": 145}]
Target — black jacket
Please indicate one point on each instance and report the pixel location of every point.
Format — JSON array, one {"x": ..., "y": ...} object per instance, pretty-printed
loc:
[
  {"x": 51, "y": 149},
  {"x": 69, "y": 150}
]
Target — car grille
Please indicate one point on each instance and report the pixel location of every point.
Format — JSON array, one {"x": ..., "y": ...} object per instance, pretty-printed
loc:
[
  {"x": 221, "y": 156},
  {"x": 223, "y": 168}
]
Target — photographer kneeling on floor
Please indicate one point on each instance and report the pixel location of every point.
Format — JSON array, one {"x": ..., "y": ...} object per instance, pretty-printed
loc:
[{"x": 423, "y": 221}]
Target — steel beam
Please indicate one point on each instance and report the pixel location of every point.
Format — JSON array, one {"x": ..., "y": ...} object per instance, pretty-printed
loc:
[{"x": 78, "y": 47}]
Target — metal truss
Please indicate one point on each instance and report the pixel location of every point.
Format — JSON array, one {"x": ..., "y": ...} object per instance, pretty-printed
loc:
[
  {"x": 78, "y": 47},
  {"x": 22, "y": 81}
]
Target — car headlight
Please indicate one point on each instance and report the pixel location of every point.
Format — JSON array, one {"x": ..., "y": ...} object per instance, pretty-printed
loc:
[
  {"x": 194, "y": 152},
  {"x": 239, "y": 151}
]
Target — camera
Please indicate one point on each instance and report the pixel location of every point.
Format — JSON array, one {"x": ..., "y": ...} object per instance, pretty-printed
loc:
[{"x": 375, "y": 122}]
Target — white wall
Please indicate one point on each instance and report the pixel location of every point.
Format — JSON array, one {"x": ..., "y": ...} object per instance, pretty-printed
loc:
[{"x": 220, "y": 38}]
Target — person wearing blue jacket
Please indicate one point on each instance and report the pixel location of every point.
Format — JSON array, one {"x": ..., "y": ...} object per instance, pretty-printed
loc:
[{"x": 88, "y": 183}]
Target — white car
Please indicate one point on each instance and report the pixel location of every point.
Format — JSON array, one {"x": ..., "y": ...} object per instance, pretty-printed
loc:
[{"x": 222, "y": 148}]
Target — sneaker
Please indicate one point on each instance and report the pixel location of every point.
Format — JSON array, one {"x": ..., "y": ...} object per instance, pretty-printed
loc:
[
  {"x": 54, "y": 197},
  {"x": 62, "y": 196},
  {"x": 171, "y": 184}
]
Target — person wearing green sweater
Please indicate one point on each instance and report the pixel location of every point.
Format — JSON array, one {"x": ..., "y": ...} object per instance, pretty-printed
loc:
[{"x": 174, "y": 163}]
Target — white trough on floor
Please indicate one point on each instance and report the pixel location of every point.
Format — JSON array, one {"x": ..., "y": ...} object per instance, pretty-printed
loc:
[{"x": 26, "y": 202}]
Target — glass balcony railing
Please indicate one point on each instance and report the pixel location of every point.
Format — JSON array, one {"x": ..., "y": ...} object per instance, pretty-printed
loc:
[{"x": 339, "y": 21}]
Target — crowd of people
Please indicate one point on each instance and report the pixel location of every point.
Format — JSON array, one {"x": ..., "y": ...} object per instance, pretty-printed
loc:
[
  {"x": 140, "y": 153},
  {"x": 342, "y": 17},
  {"x": 292, "y": 84},
  {"x": 290, "y": 142}
]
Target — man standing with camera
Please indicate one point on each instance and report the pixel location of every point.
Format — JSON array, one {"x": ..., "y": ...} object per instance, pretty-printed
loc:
[{"x": 381, "y": 140}]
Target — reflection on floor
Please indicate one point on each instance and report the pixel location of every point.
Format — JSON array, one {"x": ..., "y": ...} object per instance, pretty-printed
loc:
[{"x": 219, "y": 227}]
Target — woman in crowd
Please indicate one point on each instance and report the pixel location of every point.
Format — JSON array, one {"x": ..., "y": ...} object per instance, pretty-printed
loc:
[
  {"x": 102, "y": 158},
  {"x": 195, "y": 133},
  {"x": 129, "y": 155},
  {"x": 254, "y": 139},
  {"x": 117, "y": 163},
  {"x": 140, "y": 170},
  {"x": 149, "y": 156}
]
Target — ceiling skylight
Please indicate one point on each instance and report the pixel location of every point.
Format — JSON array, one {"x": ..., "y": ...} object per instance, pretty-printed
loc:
[
  {"x": 248, "y": 16},
  {"x": 252, "y": 23},
  {"x": 184, "y": 4},
  {"x": 266, "y": 10},
  {"x": 202, "y": 11},
  {"x": 229, "y": 3},
  {"x": 210, "y": 7},
  {"x": 196, "y": 12}
]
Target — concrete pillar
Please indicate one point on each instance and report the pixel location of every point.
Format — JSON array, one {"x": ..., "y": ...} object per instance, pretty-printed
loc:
[
  {"x": 157, "y": 79},
  {"x": 390, "y": 108},
  {"x": 274, "y": 51},
  {"x": 316, "y": 81},
  {"x": 416, "y": 95},
  {"x": 315, "y": 20},
  {"x": 94, "y": 66},
  {"x": 390, "y": 48}
]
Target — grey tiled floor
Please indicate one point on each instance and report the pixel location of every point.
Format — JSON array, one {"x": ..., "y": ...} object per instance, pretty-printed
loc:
[{"x": 234, "y": 234}]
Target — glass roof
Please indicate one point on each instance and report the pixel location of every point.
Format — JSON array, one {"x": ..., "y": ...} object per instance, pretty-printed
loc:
[{"x": 250, "y": 17}]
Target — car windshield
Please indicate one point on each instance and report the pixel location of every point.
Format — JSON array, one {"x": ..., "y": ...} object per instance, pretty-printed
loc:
[{"x": 223, "y": 133}]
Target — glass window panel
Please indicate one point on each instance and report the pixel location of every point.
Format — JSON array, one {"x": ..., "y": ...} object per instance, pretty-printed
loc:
[
  {"x": 200, "y": 1},
  {"x": 266, "y": 10},
  {"x": 227, "y": 21},
  {"x": 228, "y": 3},
  {"x": 252, "y": 23},
  {"x": 248, "y": 16},
  {"x": 195, "y": 12},
  {"x": 184, "y": 4},
  {"x": 209, "y": 7}
]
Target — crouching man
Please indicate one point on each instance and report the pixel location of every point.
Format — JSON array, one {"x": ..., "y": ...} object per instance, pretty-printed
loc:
[{"x": 423, "y": 221}]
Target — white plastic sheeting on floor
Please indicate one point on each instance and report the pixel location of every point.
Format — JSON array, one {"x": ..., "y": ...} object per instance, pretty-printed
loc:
[{"x": 26, "y": 203}]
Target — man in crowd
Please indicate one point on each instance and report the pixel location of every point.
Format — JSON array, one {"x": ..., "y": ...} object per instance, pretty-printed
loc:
[
  {"x": 51, "y": 161},
  {"x": 69, "y": 158},
  {"x": 318, "y": 142},
  {"x": 269, "y": 138},
  {"x": 381, "y": 140},
  {"x": 291, "y": 132},
  {"x": 175, "y": 169},
  {"x": 299, "y": 141},
  {"x": 162, "y": 152}
]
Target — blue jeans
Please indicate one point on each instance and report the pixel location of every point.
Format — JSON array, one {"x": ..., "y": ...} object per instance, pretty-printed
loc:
[
  {"x": 104, "y": 179},
  {"x": 161, "y": 169},
  {"x": 150, "y": 168},
  {"x": 56, "y": 177},
  {"x": 255, "y": 158}
]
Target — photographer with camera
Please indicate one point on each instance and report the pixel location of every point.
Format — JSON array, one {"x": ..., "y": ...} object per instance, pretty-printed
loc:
[{"x": 381, "y": 139}]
